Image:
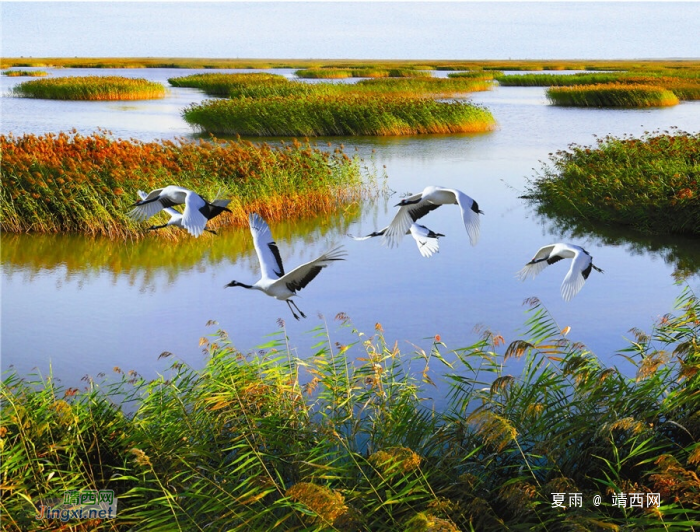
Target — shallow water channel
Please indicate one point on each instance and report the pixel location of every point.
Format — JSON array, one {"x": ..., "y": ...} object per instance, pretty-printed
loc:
[{"x": 79, "y": 305}]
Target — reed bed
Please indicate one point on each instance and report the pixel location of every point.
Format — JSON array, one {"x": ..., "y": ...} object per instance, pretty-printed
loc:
[
  {"x": 380, "y": 73},
  {"x": 91, "y": 88},
  {"x": 590, "y": 78},
  {"x": 324, "y": 73},
  {"x": 650, "y": 183},
  {"x": 218, "y": 63},
  {"x": 85, "y": 184},
  {"x": 375, "y": 73},
  {"x": 250, "y": 85},
  {"x": 268, "y": 105},
  {"x": 268, "y": 85},
  {"x": 339, "y": 73},
  {"x": 684, "y": 87},
  {"x": 612, "y": 95},
  {"x": 25, "y": 73},
  {"x": 216, "y": 84},
  {"x": 424, "y": 86},
  {"x": 475, "y": 74},
  {"x": 342, "y": 114},
  {"x": 415, "y": 72},
  {"x": 684, "y": 84},
  {"x": 342, "y": 438},
  {"x": 558, "y": 80}
]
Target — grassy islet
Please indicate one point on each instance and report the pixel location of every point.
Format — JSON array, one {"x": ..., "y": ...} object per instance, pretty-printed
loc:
[
  {"x": 266, "y": 105},
  {"x": 612, "y": 95},
  {"x": 634, "y": 88},
  {"x": 91, "y": 88},
  {"x": 25, "y": 73},
  {"x": 651, "y": 183}
]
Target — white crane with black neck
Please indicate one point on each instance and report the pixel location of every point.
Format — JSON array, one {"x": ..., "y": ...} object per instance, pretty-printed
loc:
[
  {"x": 581, "y": 265},
  {"x": 176, "y": 216},
  {"x": 274, "y": 282},
  {"x": 412, "y": 208},
  {"x": 197, "y": 210},
  {"x": 426, "y": 239}
]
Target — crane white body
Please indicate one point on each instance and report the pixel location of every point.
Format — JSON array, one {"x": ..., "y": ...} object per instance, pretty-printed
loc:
[
  {"x": 581, "y": 265},
  {"x": 415, "y": 207},
  {"x": 426, "y": 239},
  {"x": 176, "y": 216},
  {"x": 274, "y": 281},
  {"x": 193, "y": 219}
]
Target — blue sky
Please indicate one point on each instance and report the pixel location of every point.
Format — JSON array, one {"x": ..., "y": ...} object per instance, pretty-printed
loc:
[{"x": 360, "y": 30}]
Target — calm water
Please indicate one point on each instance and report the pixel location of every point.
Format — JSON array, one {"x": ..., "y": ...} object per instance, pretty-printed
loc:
[{"x": 81, "y": 305}]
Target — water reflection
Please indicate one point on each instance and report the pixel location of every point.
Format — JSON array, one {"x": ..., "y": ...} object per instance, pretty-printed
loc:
[
  {"x": 680, "y": 252},
  {"x": 78, "y": 258},
  {"x": 88, "y": 304}
]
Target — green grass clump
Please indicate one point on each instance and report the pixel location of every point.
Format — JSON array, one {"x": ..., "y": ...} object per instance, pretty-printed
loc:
[
  {"x": 684, "y": 84},
  {"x": 371, "y": 73},
  {"x": 341, "y": 114},
  {"x": 324, "y": 73},
  {"x": 684, "y": 87},
  {"x": 612, "y": 95},
  {"x": 25, "y": 73},
  {"x": 245, "y": 85},
  {"x": 365, "y": 72},
  {"x": 342, "y": 438},
  {"x": 91, "y": 88},
  {"x": 558, "y": 80},
  {"x": 225, "y": 84},
  {"x": 269, "y": 105},
  {"x": 475, "y": 74},
  {"x": 650, "y": 183},
  {"x": 424, "y": 86},
  {"x": 267, "y": 85},
  {"x": 86, "y": 184},
  {"x": 415, "y": 72}
]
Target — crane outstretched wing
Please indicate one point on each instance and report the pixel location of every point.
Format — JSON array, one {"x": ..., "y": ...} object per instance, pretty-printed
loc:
[
  {"x": 266, "y": 248},
  {"x": 192, "y": 218},
  {"x": 143, "y": 211},
  {"x": 302, "y": 275}
]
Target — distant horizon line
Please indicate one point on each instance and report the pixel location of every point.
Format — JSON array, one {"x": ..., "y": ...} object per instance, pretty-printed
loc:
[{"x": 202, "y": 58}]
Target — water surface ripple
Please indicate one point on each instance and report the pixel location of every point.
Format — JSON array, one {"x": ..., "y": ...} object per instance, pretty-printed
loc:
[{"x": 83, "y": 305}]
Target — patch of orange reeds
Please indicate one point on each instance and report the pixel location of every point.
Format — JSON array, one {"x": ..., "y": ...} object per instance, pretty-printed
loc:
[
  {"x": 76, "y": 183},
  {"x": 91, "y": 88}
]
